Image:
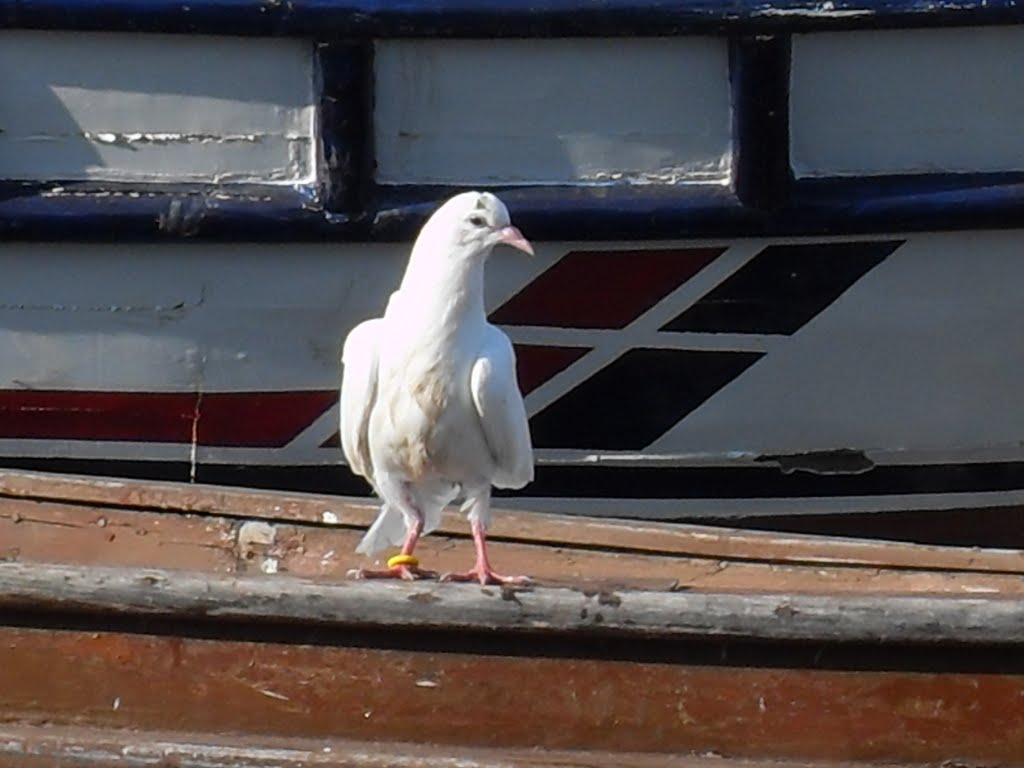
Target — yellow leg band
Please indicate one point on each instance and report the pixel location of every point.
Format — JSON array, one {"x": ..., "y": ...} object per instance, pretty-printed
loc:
[{"x": 403, "y": 560}]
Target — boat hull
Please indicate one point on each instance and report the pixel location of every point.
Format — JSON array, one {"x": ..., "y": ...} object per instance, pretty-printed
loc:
[{"x": 666, "y": 379}]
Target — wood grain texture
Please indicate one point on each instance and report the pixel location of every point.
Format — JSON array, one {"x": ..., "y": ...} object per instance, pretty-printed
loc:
[
  {"x": 88, "y": 535},
  {"x": 129, "y": 606},
  {"x": 423, "y": 605},
  {"x": 77, "y": 747},
  {"x": 559, "y": 530},
  {"x": 502, "y": 700}
]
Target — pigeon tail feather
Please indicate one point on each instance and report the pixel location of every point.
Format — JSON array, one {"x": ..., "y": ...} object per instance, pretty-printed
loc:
[{"x": 388, "y": 530}]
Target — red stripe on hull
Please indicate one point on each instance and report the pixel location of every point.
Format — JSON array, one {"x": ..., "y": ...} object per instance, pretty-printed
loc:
[
  {"x": 536, "y": 364},
  {"x": 225, "y": 419},
  {"x": 602, "y": 289}
]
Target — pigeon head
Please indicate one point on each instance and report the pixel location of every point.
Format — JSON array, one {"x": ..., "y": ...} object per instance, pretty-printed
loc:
[{"x": 475, "y": 222}]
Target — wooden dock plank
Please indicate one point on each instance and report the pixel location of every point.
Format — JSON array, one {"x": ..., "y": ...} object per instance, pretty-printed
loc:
[
  {"x": 40, "y": 531},
  {"x": 503, "y": 700},
  {"x": 189, "y": 611},
  {"x": 77, "y": 747},
  {"x": 551, "y": 530},
  {"x": 773, "y": 616}
]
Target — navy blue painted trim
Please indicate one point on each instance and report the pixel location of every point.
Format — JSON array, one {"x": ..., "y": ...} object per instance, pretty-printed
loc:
[
  {"x": 76, "y": 211},
  {"x": 904, "y": 203},
  {"x": 816, "y": 207},
  {"x": 759, "y": 72},
  {"x": 393, "y": 214},
  {"x": 345, "y": 71},
  {"x": 333, "y": 19},
  {"x": 583, "y": 213}
]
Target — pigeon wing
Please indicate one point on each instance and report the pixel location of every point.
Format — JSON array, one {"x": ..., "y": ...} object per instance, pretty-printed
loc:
[
  {"x": 358, "y": 394},
  {"x": 499, "y": 405}
]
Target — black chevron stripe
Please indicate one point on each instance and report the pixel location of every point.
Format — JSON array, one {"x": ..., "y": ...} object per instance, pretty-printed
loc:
[
  {"x": 782, "y": 288},
  {"x": 636, "y": 399}
]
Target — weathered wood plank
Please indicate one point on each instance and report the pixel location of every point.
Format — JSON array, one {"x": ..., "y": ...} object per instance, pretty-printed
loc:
[
  {"x": 421, "y": 605},
  {"x": 452, "y": 696},
  {"x": 619, "y": 535},
  {"x": 51, "y": 532},
  {"x": 45, "y": 531},
  {"x": 30, "y": 746}
]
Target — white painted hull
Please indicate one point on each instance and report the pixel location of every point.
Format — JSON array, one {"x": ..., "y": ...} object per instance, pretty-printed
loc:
[{"x": 917, "y": 362}]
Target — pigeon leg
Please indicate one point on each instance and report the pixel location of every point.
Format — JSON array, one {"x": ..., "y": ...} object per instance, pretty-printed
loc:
[
  {"x": 482, "y": 570},
  {"x": 410, "y": 571}
]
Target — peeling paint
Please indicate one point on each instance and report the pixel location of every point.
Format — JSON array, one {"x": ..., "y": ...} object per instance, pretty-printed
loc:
[
  {"x": 825, "y": 10},
  {"x": 62, "y": 192},
  {"x": 284, "y": 157},
  {"x": 130, "y": 139},
  {"x": 844, "y": 461},
  {"x": 681, "y": 175}
]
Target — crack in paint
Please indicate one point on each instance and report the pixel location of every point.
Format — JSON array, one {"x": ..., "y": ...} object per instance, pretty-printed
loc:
[
  {"x": 197, "y": 408},
  {"x": 19, "y": 518},
  {"x": 194, "y": 447},
  {"x": 177, "y": 307}
]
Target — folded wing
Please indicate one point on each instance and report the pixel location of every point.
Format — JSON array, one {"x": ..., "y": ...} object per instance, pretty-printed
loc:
[
  {"x": 499, "y": 405},
  {"x": 358, "y": 394}
]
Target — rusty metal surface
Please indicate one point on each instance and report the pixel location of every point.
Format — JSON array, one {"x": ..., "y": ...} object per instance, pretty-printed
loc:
[
  {"x": 505, "y": 699},
  {"x": 350, "y": 515}
]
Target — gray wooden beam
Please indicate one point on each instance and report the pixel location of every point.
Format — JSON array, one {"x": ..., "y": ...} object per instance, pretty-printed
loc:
[{"x": 282, "y": 598}]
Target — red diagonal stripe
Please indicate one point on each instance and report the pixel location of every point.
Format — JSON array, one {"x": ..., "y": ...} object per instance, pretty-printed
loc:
[
  {"x": 602, "y": 289},
  {"x": 536, "y": 364},
  {"x": 228, "y": 419}
]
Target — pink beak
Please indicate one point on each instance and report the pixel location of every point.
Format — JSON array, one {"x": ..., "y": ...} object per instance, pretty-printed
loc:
[{"x": 512, "y": 236}]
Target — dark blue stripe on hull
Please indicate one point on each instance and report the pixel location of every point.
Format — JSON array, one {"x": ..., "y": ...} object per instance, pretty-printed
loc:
[
  {"x": 494, "y": 18},
  {"x": 590, "y": 481},
  {"x": 31, "y": 211},
  {"x": 1000, "y": 527}
]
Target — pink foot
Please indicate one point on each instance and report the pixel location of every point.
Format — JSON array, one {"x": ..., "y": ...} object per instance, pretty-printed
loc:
[
  {"x": 486, "y": 576},
  {"x": 407, "y": 572}
]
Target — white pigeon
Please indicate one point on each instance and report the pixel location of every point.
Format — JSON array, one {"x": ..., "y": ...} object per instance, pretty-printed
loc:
[{"x": 430, "y": 408}]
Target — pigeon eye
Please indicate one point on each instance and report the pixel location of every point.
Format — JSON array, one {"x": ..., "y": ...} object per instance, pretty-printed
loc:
[{"x": 477, "y": 220}]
